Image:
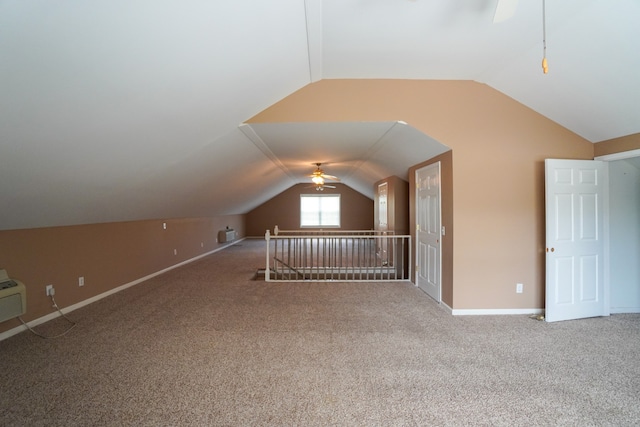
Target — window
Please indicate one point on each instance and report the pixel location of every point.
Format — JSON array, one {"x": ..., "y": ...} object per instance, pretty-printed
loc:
[{"x": 320, "y": 211}]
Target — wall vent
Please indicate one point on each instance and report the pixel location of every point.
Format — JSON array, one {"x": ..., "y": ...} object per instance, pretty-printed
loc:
[
  {"x": 227, "y": 235},
  {"x": 13, "y": 298}
]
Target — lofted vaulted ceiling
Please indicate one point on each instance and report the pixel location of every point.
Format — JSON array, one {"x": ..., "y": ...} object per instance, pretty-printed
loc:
[{"x": 123, "y": 110}]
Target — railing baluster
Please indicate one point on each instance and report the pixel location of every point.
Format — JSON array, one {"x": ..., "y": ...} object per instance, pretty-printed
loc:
[
  {"x": 317, "y": 260},
  {"x": 360, "y": 261},
  {"x": 336, "y": 267},
  {"x": 381, "y": 261},
  {"x": 351, "y": 260},
  {"x": 276, "y": 257},
  {"x": 340, "y": 248},
  {"x": 395, "y": 266}
]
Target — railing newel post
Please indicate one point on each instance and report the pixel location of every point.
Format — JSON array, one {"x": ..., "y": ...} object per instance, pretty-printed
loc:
[{"x": 267, "y": 237}]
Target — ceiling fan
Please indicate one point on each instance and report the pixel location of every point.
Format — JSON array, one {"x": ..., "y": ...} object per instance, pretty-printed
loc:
[{"x": 318, "y": 178}]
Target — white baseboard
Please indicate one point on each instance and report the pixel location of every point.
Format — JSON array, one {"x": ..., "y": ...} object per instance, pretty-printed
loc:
[
  {"x": 490, "y": 311},
  {"x": 495, "y": 311},
  {"x": 446, "y": 307},
  {"x": 623, "y": 310},
  {"x": 11, "y": 332}
]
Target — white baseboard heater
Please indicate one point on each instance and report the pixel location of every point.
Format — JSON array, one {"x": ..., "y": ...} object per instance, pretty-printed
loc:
[
  {"x": 225, "y": 236},
  {"x": 13, "y": 297}
]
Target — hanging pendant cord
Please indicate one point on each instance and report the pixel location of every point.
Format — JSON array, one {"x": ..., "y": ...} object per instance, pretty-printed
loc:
[{"x": 545, "y": 67}]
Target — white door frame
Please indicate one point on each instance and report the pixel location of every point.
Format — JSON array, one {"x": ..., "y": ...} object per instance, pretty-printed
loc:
[
  {"x": 619, "y": 156},
  {"x": 612, "y": 158}
]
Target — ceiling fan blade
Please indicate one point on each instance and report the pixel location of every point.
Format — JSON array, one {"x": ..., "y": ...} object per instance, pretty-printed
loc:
[
  {"x": 319, "y": 175},
  {"x": 505, "y": 9},
  {"x": 331, "y": 177},
  {"x": 320, "y": 187}
]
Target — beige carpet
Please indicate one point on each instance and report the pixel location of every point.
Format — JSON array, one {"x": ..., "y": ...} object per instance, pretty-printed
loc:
[{"x": 206, "y": 345}]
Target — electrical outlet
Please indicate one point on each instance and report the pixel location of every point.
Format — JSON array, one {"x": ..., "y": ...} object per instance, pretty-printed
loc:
[
  {"x": 81, "y": 281},
  {"x": 519, "y": 288},
  {"x": 49, "y": 290},
  {"x": 175, "y": 252}
]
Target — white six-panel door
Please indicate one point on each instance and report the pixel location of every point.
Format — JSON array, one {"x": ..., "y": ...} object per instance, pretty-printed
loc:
[
  {"x": 575, "y": 195},
  {"x": 428, "y": 230}
]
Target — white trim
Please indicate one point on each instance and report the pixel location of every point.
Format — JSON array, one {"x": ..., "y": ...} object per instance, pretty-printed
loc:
[
  {"x": 495, "y": 311},
  {"x": 251, "y": 134},
  {"x": 446, "y": 307},
  {"x": 606, "y": 242},
  {"x": 489, "y": 311},
  {"x": 619, "y": 156},
  {"x": 11, "y": 332},
  {"x": 624, "y": 310}
]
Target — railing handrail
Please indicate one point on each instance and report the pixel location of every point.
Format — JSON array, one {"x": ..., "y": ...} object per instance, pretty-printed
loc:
[
  {"x": 330, "y": 231},
  {"x": 345, "y": 236}
]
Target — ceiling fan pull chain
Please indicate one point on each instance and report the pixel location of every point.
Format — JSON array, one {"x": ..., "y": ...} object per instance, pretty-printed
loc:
[{"x": 545, "y": 66}]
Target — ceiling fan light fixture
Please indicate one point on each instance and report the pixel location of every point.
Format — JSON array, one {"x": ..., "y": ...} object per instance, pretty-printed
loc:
[{"x": 318, "y": 178}]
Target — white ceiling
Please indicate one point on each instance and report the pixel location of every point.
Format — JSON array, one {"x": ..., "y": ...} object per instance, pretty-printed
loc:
[
  {"x": 358, "y": 153},
  {"x": 124, "y": 110}
]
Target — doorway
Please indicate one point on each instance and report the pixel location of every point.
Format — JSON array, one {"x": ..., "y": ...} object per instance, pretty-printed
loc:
[
  {"x": 620, "y": 280},
  {"x": 624, "y": 235}
]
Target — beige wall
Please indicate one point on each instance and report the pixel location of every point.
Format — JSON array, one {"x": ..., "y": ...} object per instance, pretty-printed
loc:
[
  {"x": 499, "y": 147},
  {"x": 106, "y": 255},
  {"x": 356, "y": 212},
  {"x": 617, "y": 145}
]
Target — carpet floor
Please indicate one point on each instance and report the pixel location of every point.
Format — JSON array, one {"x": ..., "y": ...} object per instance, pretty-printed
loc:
[{"x": 208, "y": 345}]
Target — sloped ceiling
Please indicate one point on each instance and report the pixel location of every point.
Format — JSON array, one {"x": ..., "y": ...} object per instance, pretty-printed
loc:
[
  {"x": 358, "y": 153},
  {"x": 124, "y": 110}
]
